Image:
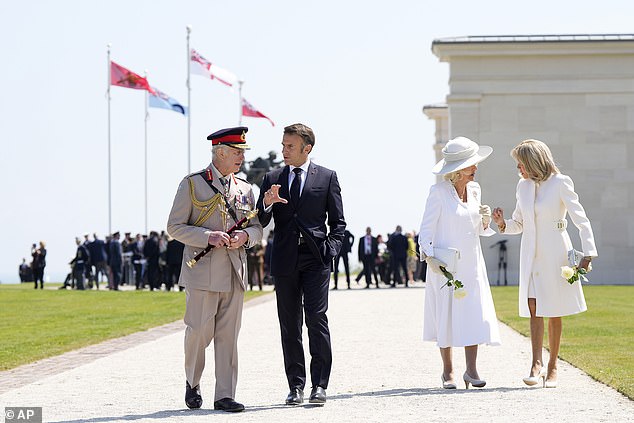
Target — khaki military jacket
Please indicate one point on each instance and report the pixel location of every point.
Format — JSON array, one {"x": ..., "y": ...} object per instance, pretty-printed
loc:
[{"x": 195, "y": 213}]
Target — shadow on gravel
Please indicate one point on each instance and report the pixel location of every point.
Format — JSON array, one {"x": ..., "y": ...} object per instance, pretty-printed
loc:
[
  {"x": 156, "y": 415},
  {"x": 406, "y": 392},
  {"x": 411, "y": 392},
  {"x": 179, "y": 413}
]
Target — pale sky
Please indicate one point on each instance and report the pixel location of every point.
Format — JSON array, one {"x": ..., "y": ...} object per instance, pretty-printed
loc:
[{"x": 357, "y": 72}]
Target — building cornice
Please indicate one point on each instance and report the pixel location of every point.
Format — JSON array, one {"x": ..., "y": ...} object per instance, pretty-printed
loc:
[{"x": 525, "y": 45}]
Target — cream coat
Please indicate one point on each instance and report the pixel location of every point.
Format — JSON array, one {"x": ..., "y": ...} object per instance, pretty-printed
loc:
[
  {"x": 544, "y": 249},
  {"x": 212, "y": 272},
  {"x": 450, "y": 222}
]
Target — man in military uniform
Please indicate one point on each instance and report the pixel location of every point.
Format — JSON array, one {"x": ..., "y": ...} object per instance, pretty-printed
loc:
[{"x": 206, "y": 205}]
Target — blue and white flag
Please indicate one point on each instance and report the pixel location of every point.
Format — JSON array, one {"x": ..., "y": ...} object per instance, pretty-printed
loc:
[{"x": 163, "y": 101}]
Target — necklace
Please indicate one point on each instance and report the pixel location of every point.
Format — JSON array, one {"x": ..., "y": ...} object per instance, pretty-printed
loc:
[{"x": 463, "y": 195}]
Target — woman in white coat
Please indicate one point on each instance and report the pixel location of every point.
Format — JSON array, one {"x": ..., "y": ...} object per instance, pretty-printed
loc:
[
  {"x": 544, "y": 197},
  {"x": 455, "y": 218}
]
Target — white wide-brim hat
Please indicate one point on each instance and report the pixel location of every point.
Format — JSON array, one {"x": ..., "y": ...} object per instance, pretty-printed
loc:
[{"x": 460, "y": 153}]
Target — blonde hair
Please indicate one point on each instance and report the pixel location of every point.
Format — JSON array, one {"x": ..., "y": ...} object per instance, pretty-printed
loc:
[
  {"x": 453, "y": 177},
  {"x": 536, "y": 158}
]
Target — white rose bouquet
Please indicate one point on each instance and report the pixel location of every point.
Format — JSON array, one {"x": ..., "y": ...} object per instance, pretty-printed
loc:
[{"x": 574, "y": 273}]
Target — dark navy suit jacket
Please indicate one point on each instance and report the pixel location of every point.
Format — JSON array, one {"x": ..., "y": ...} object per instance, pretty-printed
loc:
[
  {"x": 374, "y": 248},
  {"x": 319, "y": 204}
]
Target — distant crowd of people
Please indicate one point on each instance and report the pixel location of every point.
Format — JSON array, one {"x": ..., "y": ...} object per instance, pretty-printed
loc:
[
  {"x": 35, "y": 270},
  {"x": 154, "y": 260},
  {"x": 145, "y": 261},
  {"x": 392, "y": 262}
]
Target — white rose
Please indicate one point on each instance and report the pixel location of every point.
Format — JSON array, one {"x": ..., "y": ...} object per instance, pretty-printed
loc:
[
  {"x": 567, "y": 272},
  {"x": 459, "y": 293}
]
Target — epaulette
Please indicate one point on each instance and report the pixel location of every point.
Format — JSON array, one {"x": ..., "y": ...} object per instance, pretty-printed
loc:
[
  {"x": 206, "y": 174},
  {"x": 202, "y": 173}
]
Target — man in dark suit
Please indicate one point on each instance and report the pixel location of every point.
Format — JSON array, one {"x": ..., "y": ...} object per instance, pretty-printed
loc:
[
  {"x": 368, "y": 252},
  {"x": 151, "y": 252},
  {"x": 302, "y": 198},
  {"x": 174, "y": 261},
  {"x": 136, "y": 248},
  {"x": 115, "y": 257},
  {"x": 98, "y": 257},
  {"x": 346, "y": 248},
  {"x": 397, "y": 244}
]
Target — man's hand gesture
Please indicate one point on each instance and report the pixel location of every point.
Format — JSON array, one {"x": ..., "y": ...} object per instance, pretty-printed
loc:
[{"x": 272, "y": 196}]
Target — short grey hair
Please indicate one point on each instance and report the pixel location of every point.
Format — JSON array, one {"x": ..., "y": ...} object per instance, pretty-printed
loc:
[{"x": 215, "y": 149}]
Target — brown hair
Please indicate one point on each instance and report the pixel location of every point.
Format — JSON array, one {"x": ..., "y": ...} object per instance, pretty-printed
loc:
[
  {"x": 303, "y": 131},
  {"x": 536, "y": 158}
]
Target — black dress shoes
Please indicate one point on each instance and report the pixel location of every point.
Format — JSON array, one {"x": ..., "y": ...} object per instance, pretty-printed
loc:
[
  {"x": 228, "y": 404},
  {"x": 317, "y": 395},
  {"x": 193, "y": 399},
  {"x": 295, "y": 397}
]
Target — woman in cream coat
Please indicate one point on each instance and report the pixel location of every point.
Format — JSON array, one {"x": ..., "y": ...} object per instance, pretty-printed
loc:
[
  {"x": 455, "y": 218},
  {"x": 544, "y": 197}
]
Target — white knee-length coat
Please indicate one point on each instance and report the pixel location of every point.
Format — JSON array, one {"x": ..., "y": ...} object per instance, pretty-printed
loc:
[
  {"x": 448, "y": 222},
  {"x": 544, "y": 248}
]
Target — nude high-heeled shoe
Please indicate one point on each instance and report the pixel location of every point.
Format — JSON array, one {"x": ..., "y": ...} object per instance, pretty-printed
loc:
[
  {"x": 534, "y": 380},
  {"x": 477, "y": 383},
  {"x": 550, "y": 383},
  {"x": 447, "y": 384}
]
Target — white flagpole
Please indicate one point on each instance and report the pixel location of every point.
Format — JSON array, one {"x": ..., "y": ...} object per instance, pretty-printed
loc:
[
  {"x": 146, "y": 118},
  {"x": 189, "y": 103},
  {"x": 109, "y": 163},
  {"x": 240, "y": 101}
]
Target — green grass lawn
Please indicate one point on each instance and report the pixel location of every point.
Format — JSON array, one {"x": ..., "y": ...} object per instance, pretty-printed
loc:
[
  {"x": 36, "y": 324},
  {"x": 599, "y": 341}
]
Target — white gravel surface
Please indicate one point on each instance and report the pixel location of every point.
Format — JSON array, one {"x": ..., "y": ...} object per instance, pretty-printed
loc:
[{"x": 382, "y": 372}]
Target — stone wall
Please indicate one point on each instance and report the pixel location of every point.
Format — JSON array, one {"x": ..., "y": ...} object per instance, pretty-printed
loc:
[{"x": 578, "y": 97}]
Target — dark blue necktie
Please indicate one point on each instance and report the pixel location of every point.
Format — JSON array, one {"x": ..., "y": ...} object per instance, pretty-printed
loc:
[{"x": 297, "y": 181}]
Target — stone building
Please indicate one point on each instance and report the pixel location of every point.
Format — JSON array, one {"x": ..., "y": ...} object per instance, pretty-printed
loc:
[{"x": 574, "y": 92}]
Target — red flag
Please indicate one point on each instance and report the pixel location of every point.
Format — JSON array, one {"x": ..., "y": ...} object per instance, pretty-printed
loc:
[
  {"x": 249, "y": 110},
  {"x": 123, "y": 77}
]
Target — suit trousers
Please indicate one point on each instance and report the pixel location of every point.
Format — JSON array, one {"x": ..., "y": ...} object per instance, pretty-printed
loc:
[
  {"x": 218, "y": 316},
  {"x": 309, "y": 280},
  {"x": 346, "y": 266},
  {"x": 369, "y": 270},
  {"x": 399, "y": 263},
  {"x": 116, "y": 277}
]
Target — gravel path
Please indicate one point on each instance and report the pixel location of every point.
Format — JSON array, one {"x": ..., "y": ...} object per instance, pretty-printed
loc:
[{"x": 382, "y": 372}]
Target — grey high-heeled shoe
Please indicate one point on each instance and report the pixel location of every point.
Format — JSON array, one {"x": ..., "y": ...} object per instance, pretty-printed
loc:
[{"x": 477, "y": 383}]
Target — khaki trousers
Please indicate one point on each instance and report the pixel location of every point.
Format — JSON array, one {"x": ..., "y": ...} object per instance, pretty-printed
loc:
[{"x": 218, "y": 316}]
